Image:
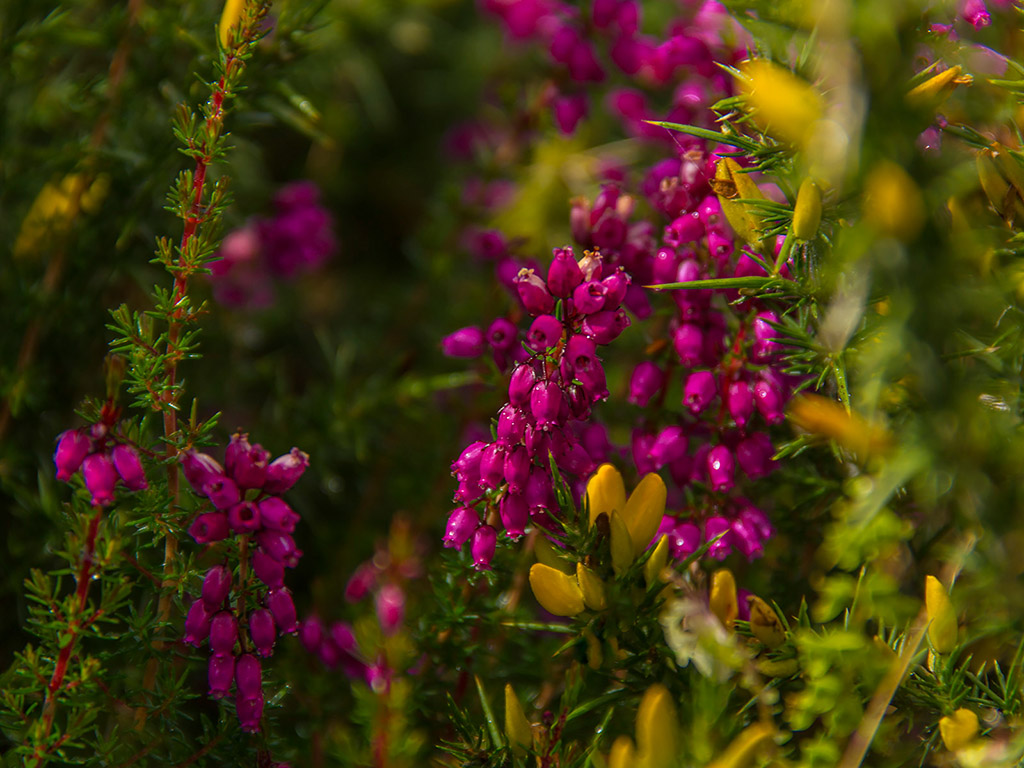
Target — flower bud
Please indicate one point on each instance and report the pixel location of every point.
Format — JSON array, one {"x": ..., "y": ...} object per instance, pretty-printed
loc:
[
  {"x": 959, "y": 729},
  {"x": 129, "y": 467},
  {"x": 197, "y": 623},
  {"x": 657, "y": 727},
  {"x": 209, "y": 527},
  {"x": 699, "y": 390},
  {"x": 557, "y": 592},
  {"x": 244, "y": 517},
  {"x": 245, "y": 463},
  {"x": 521, "y": 384},
  {"x": 465, "y": 342},
  {"x": 517, "y": 727},
  {"x": 72, "y": 447},
  {"x": 723, "y": 597},
  {"x": 262, "y": 631},
  {"x": 284, "y": 471},
  {"x": 721, "y": 468},
  {"x": 765, "y": 623},
  {"x": 546, "y": 400},
  {"x": 216, "y": 587},
  {"x": 277, "y": 515},
  {"x": 267, "y": 569},
  {"x": 461, "y": 524},
  {"x": 223, "y": 632},
  {"x": 656, "y": 562},
  {"x": 485, "y": 539},
  {"x": 564, "y": 274},
  {"x": 219, "y": 673},
  {"x": 942, "y": 624},
  {"x": 533, "y": 292},
  {"x": 248, "y": 676},
  {"x": 807, "y": 211},
  {"x": 781, "y": 103},
  {"x": 250, "y": 710},
  {"x": 100, "y": 477},
  {"x": 390, "y": 607},
  {"x": 281, "y": 605},
  {"x": 646, "y": 381}
]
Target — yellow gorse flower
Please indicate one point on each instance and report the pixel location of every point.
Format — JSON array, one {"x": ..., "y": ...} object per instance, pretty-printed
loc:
[
  {"x": 942, "y": 625},
  {"x": 54, "y": 210},
  {"x": 959, "y": 729},
  {"x": 732, "y": 185},
  {"x": 807, "y": 212},
  {"x": 780, "y": 103},
  {"x": 229, "y": 18},
  {"x": 657, "y": 733},
  {"x": 640, "y": 514},
  {"x": 517, "y": 728},
  {"x": 557, "y": 592},
  {"x": 722, "y": 600}
]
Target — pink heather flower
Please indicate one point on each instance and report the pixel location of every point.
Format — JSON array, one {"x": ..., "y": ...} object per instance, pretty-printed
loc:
[
  {"x": 521, "y": 384},
  {"x": 699, "y": 390},
  {"x": 100, "y": 477},
  {"x": 223, "y": 632},
  {"x": 511, "y": 425},
  {"x": 588, "y": 297},
  {"x": 684, "y": 540},
  {"x": 267, "y": 569},
  {"x": 222, "y": 491},
  {"x": 515, "y": 514},
  {"x": 246, "y": 464},
  {"x": 129, "y": 467},
  {"x": 484, "y": 541},
  {"x": 502, "y": 335},
  {"x": 249, "y": 711},
  {"x": 616, "y": 286},
  {"x": 710, "y": 212},
  {"x": 73, "y": 446},
  {"x": 754, "y": 455},
  {"x": 975, "y": 12},
  {"x": 517, "y": 468},
  {"x": 539, "y": 493},
  {"x": 468, "y": 463},
  {"x": 568, "y": 111},
  {"x": 284, "y": 471},
  {"x": 262, "y": 631},
  {"x": 311, "y": 633},
  {"x": 209, "y": 527},
  {"x": 300, "y": 237},
  {"x": 689, "y": 344},
  {"x": 641, "y": 444},
  {"x": 721, "y": 468},
  {"x": 466, "y": 342},
  {"x": 361, "y": 582},
  {"x": 279, "y": 546},
  {"x": 605, "y": 326},
  {"x": 533, "y": 292},
  {"x": 688, "y": 228},
  {"x": 492, "y": 466},
  {"x": 248, "y": 676},
  {"x": 564, "y": 274},
  {"x": 216, "y": 586},
  {"x": 220, "y": 673},
  {"x": 274, "y": 513},
  {"x": 279, "y": 601},
  {"x": 740, "y": 402},
  {"x": 668, "y": 446},
  {"x": 545, "y": 333},
  {"x": 646, "y": 381},
  {"x": 768, "y": 400},
  {"x": 546, "y": 402},
  {"x": 390, "y": 607},
  {"x": 199, "y": 469},
  {"x": 461, "y": 524},
  {"x": 714, "y": 526},
  {"x": 244, "y": 517},
  {"x": 197, "y": 623},
  {"x": 721, "y": 247}
]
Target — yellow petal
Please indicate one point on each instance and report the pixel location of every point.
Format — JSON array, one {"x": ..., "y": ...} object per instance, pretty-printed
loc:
[
  {"x": 782, "y": 104},
  {"x": 517, "y": 727},
  {"x": 623, "y": 754},
  {"x": 644, "y": 511},
  {"x": 958, "y": 729},
  {"x": 656, "y": 562},
  {"x": 827, "y": 418},
  {"x": 592, "y": 588},
  {"x": 229, "y": 18},
  {"x": 605, "y": 492},
  {"x": 936, "y": 89},
  {"x": 942, "y": 626},
  {"x": 723, "y": 597},
  {"x": 656, "y": 728},
  {"x": 621, "y": 544},
  {"x": 595, "y": 656},
  {"x": 557, "y": 592},
  {"x": 745, "y": 747},
  {"x": 892, "y": 202},
  {"x": 807, "y": 212},
  {"x": 732, "y": 185},
  {"x": 765, "y": 623}
]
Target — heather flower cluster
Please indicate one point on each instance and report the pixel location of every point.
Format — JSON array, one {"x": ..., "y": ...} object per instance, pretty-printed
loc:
[
  {"x": 103, "y": 458},
  {"x": 298, "y": 239},
  {"x": 245, "y": 494}
]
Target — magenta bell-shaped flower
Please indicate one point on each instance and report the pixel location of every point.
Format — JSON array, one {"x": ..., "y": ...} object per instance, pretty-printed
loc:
[
  {"x": 646, "y": 381},
  {"x": 502, "y": 335},
  {"x": 568, "y": 111},
  {"x": 492, "y": 465},
  {"x": 216, "y": 587},
  {"x": 517, "y": 468},
  {"x": 740, "y": 402},
  {"x": 100, "y": 477},
  {"x": 223, "y": 632},
  {"x": 714, "y": 526},
  {"x": 244, "y": 517},
  {"x": 684, "y": 540},
  {"x": 246, "y": 464},
  {"x": 199, "y": 469},
  {"x": 220, "y": 672},
  {"x": 129, "y": 467},
  {"x": 248, "y": 676},
  {"x": 262, "y": 631},
  {"x": 277, "y": 515},
  {"x": 534, "y": 293},
  {"x": 589, "y": 297},
  {"x": 754, "y": 455},
  {"x": 721, "y": 468},
  {"x": 605, "y": 326},
  {"x": 197, "y": 623},
  {"x": 362, "y": 580},
  {"x": 545, "y": 333},
  {"x": 468, "y": 463},
  {"x": 249, "y": 710},
  {"x": 461, "y": 524},
  {"x": 311, "y": 633},
  {"x": 615, "y": 287},
  {"x": 688, "y": 340},
  {"x": 390, "y": 607},
  {"x": 281, "y": 605},
  {"x": 564, "y": 274},
  {"x": 222, "y": 491},
  {"x": 511, "y": 425},
  {"x": 688, "y": 228},
  {"x": 485, "y": 539},
  {"x": 546, "y": 401},
  {"x": 466, "y": 342},
  {"x": 515, "y": 514},
  {"x": 279, "y": 546},
  {"x": 267, "y": 569},
  {"x": 73, "y": 446},
  {"x": 284, "y": 471},
  {"x": 768, "y": 400},
  {"x": 209, "y": 527},
  {"x": 521, "y": 384},
  {"x": 699, "y": 390},
  {"x": 669, "y": 445},
  {"x": 539, "y": 493}
]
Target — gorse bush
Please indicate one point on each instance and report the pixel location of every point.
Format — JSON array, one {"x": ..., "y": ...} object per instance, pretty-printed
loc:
[{"x": 729, "y": 479}]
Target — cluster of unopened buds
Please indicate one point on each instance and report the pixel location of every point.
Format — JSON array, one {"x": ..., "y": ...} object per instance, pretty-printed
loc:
[
  {"x": 246, "y": 497},
  {"x": 103, "y": 459},
  {"x": 575, "y": 310}
]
